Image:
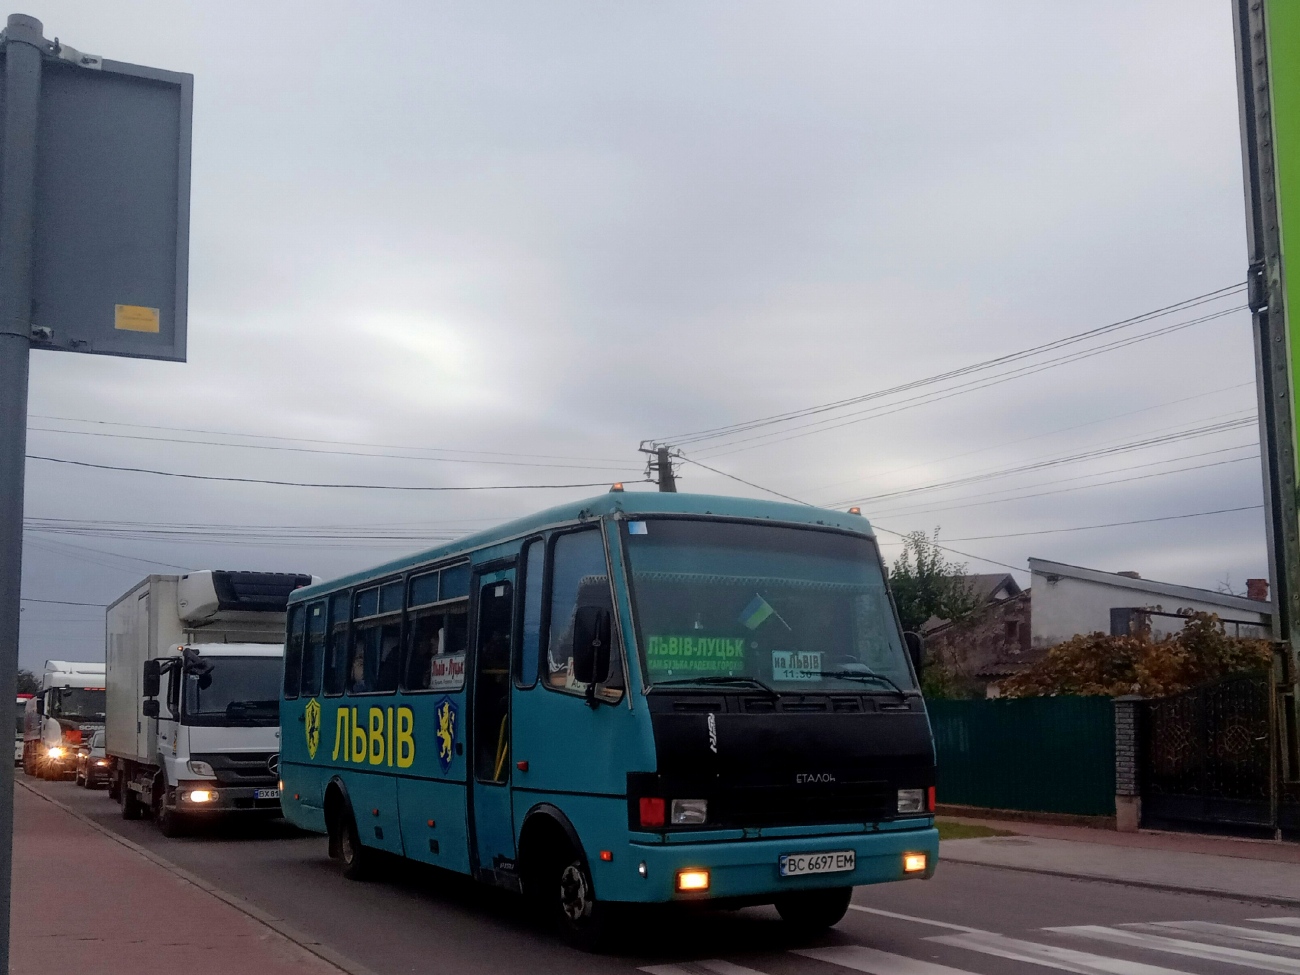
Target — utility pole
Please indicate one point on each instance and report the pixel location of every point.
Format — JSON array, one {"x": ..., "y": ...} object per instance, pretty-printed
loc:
[{"x": 659, "y": 462}]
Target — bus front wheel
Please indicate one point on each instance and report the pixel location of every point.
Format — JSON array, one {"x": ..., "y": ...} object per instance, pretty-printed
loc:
[
  {"x": 358, "y": 861},
  {"x": 584, "y": 921},
  {"x": 812, "y": 911}
]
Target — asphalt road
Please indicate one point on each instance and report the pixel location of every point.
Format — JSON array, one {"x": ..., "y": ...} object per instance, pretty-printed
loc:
[{"x": 993, "y": 922}]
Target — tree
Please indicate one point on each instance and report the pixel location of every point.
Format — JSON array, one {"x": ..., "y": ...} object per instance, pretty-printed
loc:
[
  {"x": 1099, "y": 664},
  {"x": 28, "y": 683},
  {"x": 926, "y": 585}
]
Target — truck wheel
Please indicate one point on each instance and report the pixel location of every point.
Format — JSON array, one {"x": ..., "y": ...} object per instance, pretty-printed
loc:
[
  {"x": 812, "y": 911},
  {"x": 114, "y": 784},
  {"x": 132, "y": 807},
  {"x": 358, "y": 861},
  {"x": 583, "y": 920},
  {"x": 171, "y": 823}
]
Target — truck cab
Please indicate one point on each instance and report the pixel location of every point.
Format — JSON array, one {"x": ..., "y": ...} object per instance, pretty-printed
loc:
[
  {"x": 67, "y": 711},
  {"x": 194, "y": 664}
]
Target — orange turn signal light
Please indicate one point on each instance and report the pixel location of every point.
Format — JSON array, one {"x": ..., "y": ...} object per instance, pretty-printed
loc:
[
  {"x": 692, "y": 880},
  {"x": 914, "y": 862}
]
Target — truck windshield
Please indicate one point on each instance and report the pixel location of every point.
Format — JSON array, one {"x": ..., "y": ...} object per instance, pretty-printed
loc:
[
  {"x": 22, "y": 716},
  {"x": 797, "y": 610},
  {"x": 86, "y": 703},
  {"x": 236, "y": 691}
]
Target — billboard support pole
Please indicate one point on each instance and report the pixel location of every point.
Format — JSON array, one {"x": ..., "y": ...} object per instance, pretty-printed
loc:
[
  {"x": 24, "y": 45},
  {"x": 1275, "y": 381}
]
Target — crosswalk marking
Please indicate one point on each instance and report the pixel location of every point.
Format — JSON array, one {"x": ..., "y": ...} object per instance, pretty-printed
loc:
[
  {"x": 720, "y": 967},
  {"x": 1050, "y": 956},
  {"x": 1178, "y": 946},
  {"x": 875, "y": 962},
  {"x": 1232, "y": 932}
]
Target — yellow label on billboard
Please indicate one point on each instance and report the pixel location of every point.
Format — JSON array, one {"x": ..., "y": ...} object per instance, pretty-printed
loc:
[{"x": 135, "y": 318}]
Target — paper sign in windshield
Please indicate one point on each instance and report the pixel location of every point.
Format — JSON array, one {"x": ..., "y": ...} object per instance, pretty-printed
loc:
[
  {"x": 692, "y": 656},
  {"x": 791, "y": 665}
]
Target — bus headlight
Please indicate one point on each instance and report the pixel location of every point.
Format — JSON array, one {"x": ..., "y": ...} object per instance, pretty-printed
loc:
[
  {"x": 690, "y": 812},
  {"x": 911, "y": 800}
]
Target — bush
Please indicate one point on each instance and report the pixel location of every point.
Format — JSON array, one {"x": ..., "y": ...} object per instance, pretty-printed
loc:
[{"x": 1100, "y": 664}]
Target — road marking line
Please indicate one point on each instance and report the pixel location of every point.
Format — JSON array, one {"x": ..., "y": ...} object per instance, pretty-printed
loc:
[
  {"x": 875, "y": 962},
  {"x": 1050, "y": 956},
  {"x": 1290, "y": 922},
  {"x": 917, "y": 920},
  {"x": 1232, "y": 932},
  {"x": 1193, "y": 949},
  {"x": 716, "y": 965}
]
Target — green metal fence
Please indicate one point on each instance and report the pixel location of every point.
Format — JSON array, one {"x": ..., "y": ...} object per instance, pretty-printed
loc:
[{"x": 1041, "y": 754}]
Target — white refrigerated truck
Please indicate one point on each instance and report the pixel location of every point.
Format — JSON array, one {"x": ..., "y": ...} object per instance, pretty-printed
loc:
[
  {"x": 68, "y": 709},
  {"x": 194, "y": 665}
]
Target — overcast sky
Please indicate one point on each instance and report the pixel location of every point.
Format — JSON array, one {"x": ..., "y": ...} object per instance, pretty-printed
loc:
[{"x": 558, "y": 229}]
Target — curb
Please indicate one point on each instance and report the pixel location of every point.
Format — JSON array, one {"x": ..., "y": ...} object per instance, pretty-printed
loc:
[
  {"x": 274, "y": 924},
  {"x": 1269, "y": 899}
]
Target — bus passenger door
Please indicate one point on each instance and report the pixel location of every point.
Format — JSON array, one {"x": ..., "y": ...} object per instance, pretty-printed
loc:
[{"x": 493, "y": 825}]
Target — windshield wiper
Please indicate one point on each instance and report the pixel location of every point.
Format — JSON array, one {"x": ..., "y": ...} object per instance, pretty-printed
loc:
[
  {"x": 719, "y": 679},
  {"x": 865, "y": 675},
  {"x": 238, "y": 706}
]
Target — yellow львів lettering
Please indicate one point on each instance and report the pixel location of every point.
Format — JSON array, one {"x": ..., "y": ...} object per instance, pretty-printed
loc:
[{"x": 379, "y": 741}]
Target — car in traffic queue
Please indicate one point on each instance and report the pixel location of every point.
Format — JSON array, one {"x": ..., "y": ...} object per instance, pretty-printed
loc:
[{"x": 92, "y": 763}]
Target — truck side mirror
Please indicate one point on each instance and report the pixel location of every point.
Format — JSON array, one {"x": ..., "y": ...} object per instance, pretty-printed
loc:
[
  {"x": 591, "y": 636},
  {"x": 150, "y": 708},
  {"x": 40, "y": 704},
  {"x": 152, "y": 679},
  {"x": 915, "y": 649}
]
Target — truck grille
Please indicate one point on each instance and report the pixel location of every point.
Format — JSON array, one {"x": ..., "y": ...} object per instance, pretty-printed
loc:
[{"x": 242, "y": 768}]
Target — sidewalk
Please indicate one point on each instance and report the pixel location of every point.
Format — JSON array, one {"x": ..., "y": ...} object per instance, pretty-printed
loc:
[
  {"x": 99, "y": 906},
  {"x": 1253, "y": 869}
]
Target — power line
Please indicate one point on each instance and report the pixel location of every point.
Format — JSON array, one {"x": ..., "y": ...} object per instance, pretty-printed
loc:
[
  {"x": 337, "y": 443},
  {"x": 312, "y": 484},
  {"x": 62, "y": 602},
  {"x": 874, "y": 525},
  {"x": 624, "y": 469},
  {"x": 925, "y": 399},
  {"x": 734, "y": 428},
  {"x": 1113, "y": 524}
]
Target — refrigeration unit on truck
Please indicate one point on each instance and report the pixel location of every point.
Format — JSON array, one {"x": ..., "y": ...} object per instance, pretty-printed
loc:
[
  {"x": 67, "y": 710},
  {"x": 194, "y": 666}
]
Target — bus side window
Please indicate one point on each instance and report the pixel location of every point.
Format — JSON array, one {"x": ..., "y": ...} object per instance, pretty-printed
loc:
[
  {"x": 375, "y": 662},
  {"x": 579, "y": 577},
  {"x": 530, "y": 646},
  {"x": 313, "y": 649},
  {"x": 336, "y": 648},
  {"x": 435, "y": 658},
  {"x": 293, "y": 653}
]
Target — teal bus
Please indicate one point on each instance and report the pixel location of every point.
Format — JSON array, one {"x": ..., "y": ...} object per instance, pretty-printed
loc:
[{"x": 639, "y": 698}]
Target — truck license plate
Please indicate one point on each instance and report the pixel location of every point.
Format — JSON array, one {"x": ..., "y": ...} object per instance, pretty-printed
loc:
[
  {"x": 802, "y": 864},
  {"x": 266, "y": 793}
]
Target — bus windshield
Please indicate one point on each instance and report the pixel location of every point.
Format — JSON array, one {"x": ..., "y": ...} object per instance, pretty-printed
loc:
[
  {"x": 787, "y": 609},
  {"x": 235, "y": 691},
  {"x": 86, "y": 703}
]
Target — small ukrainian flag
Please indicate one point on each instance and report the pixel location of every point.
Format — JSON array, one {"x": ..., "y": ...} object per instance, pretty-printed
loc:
[{"x": 756, "y": 612}]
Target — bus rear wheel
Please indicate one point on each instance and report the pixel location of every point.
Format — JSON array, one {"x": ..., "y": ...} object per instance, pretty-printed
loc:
[{"x": 813, "y": 911}]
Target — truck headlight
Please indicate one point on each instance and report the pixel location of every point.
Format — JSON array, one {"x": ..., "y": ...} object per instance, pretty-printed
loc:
[
  {"x": 690, "y": 812},
  {"x": 200, "y": 768},
  {"x": 911, "y": 800},
  {"x": 55, "y": 752},
  {"x": 200, "y": 795}
]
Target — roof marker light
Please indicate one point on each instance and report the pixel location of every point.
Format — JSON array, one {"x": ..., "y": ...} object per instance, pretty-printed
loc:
[
  {"x": 616, "y": 487},
  {"x": 855, "y": 510}
]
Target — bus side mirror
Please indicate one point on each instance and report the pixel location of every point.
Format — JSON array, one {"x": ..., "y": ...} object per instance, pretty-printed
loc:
[
  {"x": 591, "y": 635},
  {"x": 152, "y": 679},
  {"x": 150, "y": 708},
  {"x": 915, "y": 649}
]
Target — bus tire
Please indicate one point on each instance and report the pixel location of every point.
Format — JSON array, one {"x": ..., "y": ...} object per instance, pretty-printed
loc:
[
  {"x": 812, "y": 911},
  {"x": 358, "y": 861},
  {"x": 583, "y": 920}
]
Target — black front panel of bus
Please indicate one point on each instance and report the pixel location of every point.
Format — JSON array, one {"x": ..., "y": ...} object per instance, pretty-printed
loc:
[{"x": 793, "y": 761}]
